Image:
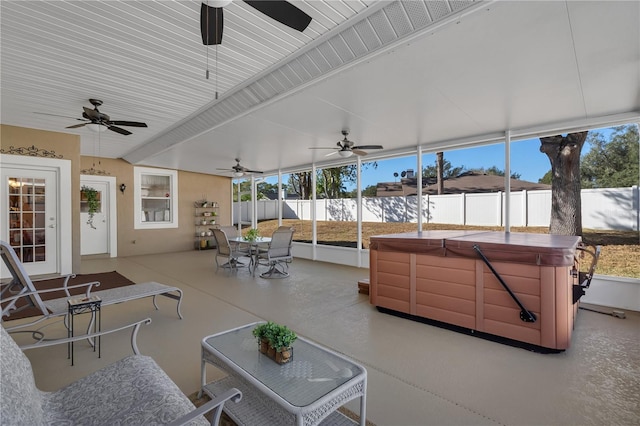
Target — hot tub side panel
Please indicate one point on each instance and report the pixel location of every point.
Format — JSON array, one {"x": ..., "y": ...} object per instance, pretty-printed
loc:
[
  {"x": 390, "y": 280},
  {"x": 445, "y": 290},
  {"x": 500, "y": 313}
]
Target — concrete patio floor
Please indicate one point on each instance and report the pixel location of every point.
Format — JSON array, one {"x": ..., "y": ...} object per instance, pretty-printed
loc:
[{"x": 418, "y": 374}]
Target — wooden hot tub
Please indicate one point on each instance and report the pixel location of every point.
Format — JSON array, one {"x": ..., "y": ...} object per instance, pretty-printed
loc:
[{"x": 441, "y": 276}]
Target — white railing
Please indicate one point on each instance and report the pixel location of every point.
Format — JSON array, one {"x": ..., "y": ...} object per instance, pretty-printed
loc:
[{"x": 611, "y": 208}]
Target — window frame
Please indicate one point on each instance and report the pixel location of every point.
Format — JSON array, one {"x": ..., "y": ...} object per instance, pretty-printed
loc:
[{"x": 138, "y": 172}]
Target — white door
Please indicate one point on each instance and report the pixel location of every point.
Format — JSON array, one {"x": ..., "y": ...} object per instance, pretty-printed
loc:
[
  {"x": 29, "y": 208},
  {"x": 94, "y": 231}
]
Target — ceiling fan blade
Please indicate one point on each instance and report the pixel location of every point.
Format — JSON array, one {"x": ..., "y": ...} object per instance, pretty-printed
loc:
[
  {"x": 332, "y": 153},
  {"x": 56, "y": 115},
  {"x": 119, "y": 130},
  {"x": 91, "y": 113},
  {"x": 358, "y": 152},
  {"x": 323, "y": 147},
  {"x": 252, "y": 171},
  {"x": 367, "y": 147},
  {"x": 211, "y": 24},
  {"x": 75, "y": 126},
  {"x": 128, "y": 123},
  {"x": 283, "y": 12}
]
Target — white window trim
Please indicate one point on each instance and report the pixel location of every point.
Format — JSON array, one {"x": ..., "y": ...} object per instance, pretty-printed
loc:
[{"x": 137, "y": 198}]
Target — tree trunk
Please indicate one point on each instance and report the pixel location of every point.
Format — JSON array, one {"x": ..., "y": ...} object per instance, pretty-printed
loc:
[
  {"x": 440, "y": 172},
  {"x": 564, "y": 155}
]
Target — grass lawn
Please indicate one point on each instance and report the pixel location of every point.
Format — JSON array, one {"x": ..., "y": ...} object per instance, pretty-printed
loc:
[{"x": 620, "y": 249}]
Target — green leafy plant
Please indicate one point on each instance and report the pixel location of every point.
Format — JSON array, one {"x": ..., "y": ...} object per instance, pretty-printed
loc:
[
  {"x": 281, "y": 337},
  {"x": 252, "y": 235},
  {"x": 261, "y": 330},
  {"x": 91, "y": 194}
]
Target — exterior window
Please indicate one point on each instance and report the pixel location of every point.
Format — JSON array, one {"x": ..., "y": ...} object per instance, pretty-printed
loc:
[{"x": 156, "y": 198}]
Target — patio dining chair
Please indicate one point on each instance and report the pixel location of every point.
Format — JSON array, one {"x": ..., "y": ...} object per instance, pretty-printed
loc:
[
  {"x": 232, "y": 252},
  {"x": 278, "y": 254}
]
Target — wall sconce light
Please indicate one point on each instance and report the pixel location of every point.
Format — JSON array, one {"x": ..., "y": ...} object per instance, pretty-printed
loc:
[{"x": 122, "y": 187}]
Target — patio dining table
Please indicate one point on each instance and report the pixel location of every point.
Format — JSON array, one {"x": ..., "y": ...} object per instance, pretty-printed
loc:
[{"x": 254, "y": 248}]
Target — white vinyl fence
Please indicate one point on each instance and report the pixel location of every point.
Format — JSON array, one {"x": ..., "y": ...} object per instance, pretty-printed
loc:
[{"x": 613, "y": 208}]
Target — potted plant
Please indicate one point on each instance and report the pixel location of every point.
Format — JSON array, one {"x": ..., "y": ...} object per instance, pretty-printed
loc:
[
  {"x": 280, "y": 340},
  {"x": 252, "y": 235},
  {"x": 275, "y": 341},
  {"x": 91, "y": 195},
  {"x": 261, "y": 333}
]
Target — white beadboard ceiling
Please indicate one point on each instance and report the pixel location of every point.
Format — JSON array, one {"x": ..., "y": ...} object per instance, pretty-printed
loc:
[{"x": 437, "y": 73}]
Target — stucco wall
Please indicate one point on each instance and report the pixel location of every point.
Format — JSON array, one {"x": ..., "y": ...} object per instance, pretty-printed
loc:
[
  {"x": 191, "y": 187},
  {"x": 60, "y": 144}
]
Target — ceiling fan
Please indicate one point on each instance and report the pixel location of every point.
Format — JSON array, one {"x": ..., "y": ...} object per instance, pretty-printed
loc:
[
  {"x": 347, "y": 148},
  {"x": 211, "y": 17},
  {"x": 100, "y": 122},
  {"x": 239, "y": 170}
]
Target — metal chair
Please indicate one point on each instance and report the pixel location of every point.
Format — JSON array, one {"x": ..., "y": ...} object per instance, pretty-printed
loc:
[
  {"x": 278, "y": 254},
  {"x": 226, "y": 250},
  {"x": 584, "y": 278},
  {"x": 22, "y": 288}
]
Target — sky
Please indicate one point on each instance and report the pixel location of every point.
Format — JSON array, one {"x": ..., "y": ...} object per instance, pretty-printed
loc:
[{"x": 526, "y": 160}]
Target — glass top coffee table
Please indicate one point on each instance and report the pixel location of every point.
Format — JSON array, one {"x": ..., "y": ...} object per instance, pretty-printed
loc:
[{"x": 306, "y": 391}]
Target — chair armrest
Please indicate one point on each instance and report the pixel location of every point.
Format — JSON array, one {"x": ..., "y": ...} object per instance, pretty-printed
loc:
[
  {"x": 216, "y": 404},
  {"x": 89, "y": 286},
  {"x": 134, "y": 336},
  {"x": 9, "y": 302},
  {"x": 65, "y": 284}
]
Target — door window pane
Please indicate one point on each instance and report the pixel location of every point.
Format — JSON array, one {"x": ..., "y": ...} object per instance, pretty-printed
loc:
[{"x": 27, "y": 218}]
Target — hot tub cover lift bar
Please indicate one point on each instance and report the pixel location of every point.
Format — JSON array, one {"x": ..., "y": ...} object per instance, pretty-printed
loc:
[{"x": 525, "y": 315}]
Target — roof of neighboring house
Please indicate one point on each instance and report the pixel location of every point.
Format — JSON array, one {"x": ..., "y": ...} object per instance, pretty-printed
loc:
[{"x": 470, "y": 182}]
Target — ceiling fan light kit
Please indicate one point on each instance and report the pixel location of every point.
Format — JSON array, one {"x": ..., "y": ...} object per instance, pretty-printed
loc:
[
  {"x": 95, "y": 127},
  {"x": 345, "y": 153}
]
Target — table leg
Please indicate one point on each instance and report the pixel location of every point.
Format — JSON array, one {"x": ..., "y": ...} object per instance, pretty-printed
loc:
[
  {"x": 203, "y": 374},
  {"x": 363, "y": 408}
]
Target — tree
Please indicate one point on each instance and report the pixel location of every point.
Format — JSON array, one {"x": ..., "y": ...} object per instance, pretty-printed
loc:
[
  {"x": 370, "y": 191},
  {"x": 300, "y": 183},
  {"x": 612, "y": 163},
  {"x": 448, "y": 171},
  {"x": 564, "y": 155},
  {"x": 546, "y": 178},
  {"x": 440, "y": 172},
  {"x": 330, "y": 182},
  {"x": 495, "y": 171}
]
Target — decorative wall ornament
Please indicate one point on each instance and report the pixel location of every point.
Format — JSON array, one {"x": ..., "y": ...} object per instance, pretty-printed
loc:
[
  {"x": 93, "y": 171},
  {"x": 31, "y": 151}
]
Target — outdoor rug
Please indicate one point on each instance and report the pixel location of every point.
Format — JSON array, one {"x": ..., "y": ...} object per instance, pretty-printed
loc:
[
  {"x": 107, "y": 280},
  {"x": 226, "y": 421}
]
